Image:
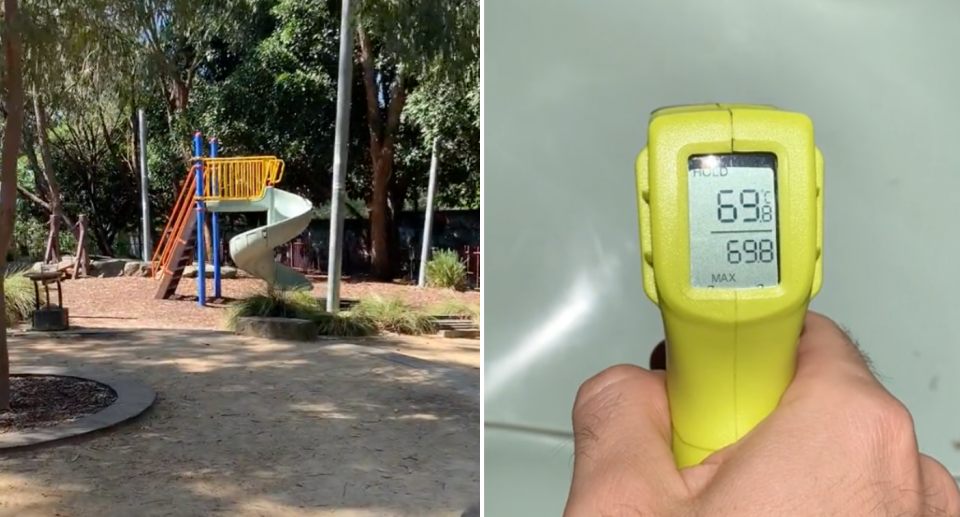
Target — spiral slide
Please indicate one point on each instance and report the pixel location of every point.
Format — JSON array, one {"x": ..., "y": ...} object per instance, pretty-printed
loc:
[{"x": 288, "y": 215}]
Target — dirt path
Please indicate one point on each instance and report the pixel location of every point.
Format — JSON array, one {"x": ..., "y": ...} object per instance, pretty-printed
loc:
[
  {"x": 244, "y": 427},
  {"x": 460, "y": 352},
  {"x": 128, "y": 303}
]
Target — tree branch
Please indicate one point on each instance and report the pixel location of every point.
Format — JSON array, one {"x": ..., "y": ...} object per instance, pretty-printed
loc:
[
  {"x": 398, "y": 98},
  {"x": 34, "y": 198},
  {"x": 370, "y": 84}
]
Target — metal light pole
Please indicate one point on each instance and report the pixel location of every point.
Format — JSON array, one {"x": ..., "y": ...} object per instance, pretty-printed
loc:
[
  {"x": 147, "y": 246},
  {"x": 338, "y": 196},
  {"x": 428, "y": 216}
]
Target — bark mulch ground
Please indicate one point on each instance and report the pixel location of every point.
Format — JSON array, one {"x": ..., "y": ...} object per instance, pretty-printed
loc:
[{"x": 38, "y": 401}]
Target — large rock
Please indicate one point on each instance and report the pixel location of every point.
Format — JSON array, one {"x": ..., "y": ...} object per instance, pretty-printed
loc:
[
  {"x": 289, "y": 329},
  {"x": 136, "y": 268},
  {"x": 107, "y": 268},
  {"x": 101, "y": 267},
  {"x": 225, "y": 271},
  {"x": 66, "y": 262},
  {"x": 114, "y": 267}
]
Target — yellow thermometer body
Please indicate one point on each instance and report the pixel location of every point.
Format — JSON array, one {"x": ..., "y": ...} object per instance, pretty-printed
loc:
[{"x": 731, "y": 232}]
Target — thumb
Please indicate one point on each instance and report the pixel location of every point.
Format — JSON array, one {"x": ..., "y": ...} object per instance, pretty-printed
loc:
[{"x": 621, "y": 425}]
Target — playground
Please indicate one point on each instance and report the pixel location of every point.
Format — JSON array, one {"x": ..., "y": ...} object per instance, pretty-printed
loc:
[
  {"x": 381, "y": 425},
  {"x": 232, "y": 286}
]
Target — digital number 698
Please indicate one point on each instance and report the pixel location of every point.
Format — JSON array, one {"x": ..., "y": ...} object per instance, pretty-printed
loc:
[{"x": 750, "y": 251}]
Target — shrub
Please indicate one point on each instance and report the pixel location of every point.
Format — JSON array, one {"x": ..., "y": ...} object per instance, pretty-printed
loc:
[
  {"x": 394, "y": 315},
  {"x": 445, "y": 269},
  {"x": 297, "y": 303},
  {"x": 453, "y": 307},
  {"x": 18, "y": 295}
]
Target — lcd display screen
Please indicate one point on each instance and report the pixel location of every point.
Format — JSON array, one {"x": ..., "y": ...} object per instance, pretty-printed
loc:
[{"x": 733, "y": 221}]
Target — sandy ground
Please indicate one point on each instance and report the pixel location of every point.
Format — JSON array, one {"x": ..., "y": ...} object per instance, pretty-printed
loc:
[
  {"x": 245, "y": 427},
  {"x": 460, "y": 352},
  {"x": 129, "y": 302}
]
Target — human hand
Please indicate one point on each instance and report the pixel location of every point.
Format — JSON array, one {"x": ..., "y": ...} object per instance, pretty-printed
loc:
[{"x": 838, "y": 444}]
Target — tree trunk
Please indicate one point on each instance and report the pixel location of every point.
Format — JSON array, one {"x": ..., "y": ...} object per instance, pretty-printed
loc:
[
  {"x": 398, "y": 195},
  {"x": 383, "y": 129},
  {"x": 49, "y": 175},
  {"x": 41, "y": 192},
  {"x": 208, "y": 244},
  {"x": 100, "y": 237},
  {"x": 380, "y": 222},
  {"x": 8, "y": 167}
]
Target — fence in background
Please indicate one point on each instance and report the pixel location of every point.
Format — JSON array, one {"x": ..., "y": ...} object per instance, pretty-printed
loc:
[{"x": 312, "y": 260}]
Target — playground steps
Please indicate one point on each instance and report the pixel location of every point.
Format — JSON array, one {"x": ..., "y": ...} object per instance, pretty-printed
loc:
[
  {"x": 456, "y": 327},
  {"x": 184, "y": 246},
  {"x": 454, "y": 323}
]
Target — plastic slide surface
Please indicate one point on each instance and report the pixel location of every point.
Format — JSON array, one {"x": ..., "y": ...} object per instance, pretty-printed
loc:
[{"x": 288, "y": 215}]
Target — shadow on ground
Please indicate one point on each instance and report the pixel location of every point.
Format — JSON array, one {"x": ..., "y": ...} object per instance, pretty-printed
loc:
[{"x": 245, "y": 427}]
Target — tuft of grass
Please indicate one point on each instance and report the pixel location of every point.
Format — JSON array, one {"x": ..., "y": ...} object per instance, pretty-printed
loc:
[
  {"x": 446, "y": 269},
  {"x": 345, "y": 324},
  {"x": 297, "y": 303},
  {"x": 454, "y": 307},
  {"x": 394, "y": 315},
  {"x": 18, "y": 296}
]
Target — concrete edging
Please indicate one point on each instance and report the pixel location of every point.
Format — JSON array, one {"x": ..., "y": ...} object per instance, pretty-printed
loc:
[{"x": 133, "y": 398}]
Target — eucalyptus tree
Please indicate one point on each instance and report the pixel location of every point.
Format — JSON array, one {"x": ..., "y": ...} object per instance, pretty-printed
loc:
[
  {"x": 401, "y": 44},
  {"x": 13, "y": 111},
  {"x": 74, "y": 50}
]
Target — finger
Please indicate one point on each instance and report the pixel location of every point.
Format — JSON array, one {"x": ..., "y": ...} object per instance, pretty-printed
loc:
[
  {"x": 621, "y": 425},
  {"x": 940, "y": 489},
  {"x": 827, "y": 355}
]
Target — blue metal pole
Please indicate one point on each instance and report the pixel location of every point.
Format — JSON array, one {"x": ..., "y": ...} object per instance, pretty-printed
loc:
[
  {"x": 215, "y": 223},
  {"x": 201, "y": 270}
]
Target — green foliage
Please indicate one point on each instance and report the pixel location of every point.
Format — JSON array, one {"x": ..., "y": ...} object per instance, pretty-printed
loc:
[
  {"x": 452, "y": 307},
  {"x": 394, "y": 315},
  {"x": 440, "y": 36},
  {"x": 281, "y": 98},
  {"x": 298, "y": 303},
  {"x": 18, "y": 296},
  {"x": 260, "y": 75},
  {"x": 448, "y": 109},
  {"x": 446, "y": 269},
  {"x": 30, "y": 240}
]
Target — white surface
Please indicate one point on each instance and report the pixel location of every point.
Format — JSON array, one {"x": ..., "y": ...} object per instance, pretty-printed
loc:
[{"x": 569, "y": 86}]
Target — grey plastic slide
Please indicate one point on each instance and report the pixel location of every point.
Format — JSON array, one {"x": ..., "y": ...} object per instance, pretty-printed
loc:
[{"x": 288, "y": 215}]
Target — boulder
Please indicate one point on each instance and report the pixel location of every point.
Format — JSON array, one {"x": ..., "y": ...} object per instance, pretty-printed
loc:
[
  {"x": 66, "y": 262},
  {"x": 107, "y": 268},
  {"x": 101, "y": 267},
  {"x": 289, "y": 329},
  {"x": 225, "y": 271},
  {"x": 114, "y": 267},
  {"x": 136, "y": 268}
]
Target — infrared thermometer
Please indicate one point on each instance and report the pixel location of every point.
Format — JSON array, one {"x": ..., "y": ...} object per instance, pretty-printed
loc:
[{"x": 731, "y": 235}]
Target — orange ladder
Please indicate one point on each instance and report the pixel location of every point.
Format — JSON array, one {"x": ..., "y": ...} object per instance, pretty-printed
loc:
[{"x": 177, "y": 244}]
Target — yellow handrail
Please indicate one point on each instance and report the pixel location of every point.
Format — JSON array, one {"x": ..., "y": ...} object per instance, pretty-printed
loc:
[
  {"x": 224, "y": 179},
  {"x": 239, "y": 179}
]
